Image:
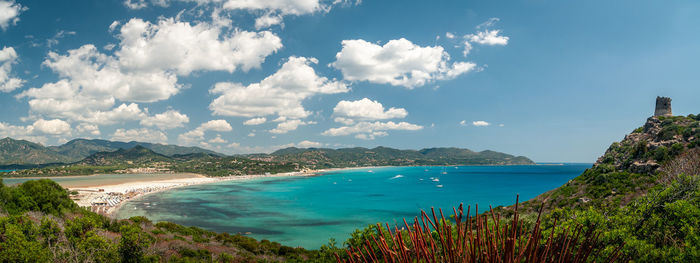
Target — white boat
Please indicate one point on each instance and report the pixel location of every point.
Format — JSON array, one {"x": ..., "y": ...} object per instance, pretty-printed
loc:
[{"x": 439, "y": 186}]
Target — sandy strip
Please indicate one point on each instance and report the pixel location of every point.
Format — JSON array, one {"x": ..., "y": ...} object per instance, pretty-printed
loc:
[{"x": 107, "y": 199}]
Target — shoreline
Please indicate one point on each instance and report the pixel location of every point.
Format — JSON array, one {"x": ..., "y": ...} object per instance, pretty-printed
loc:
[{"x": 108, "y": 199}]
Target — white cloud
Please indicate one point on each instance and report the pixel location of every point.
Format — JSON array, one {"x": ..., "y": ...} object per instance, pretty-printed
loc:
[
  {"x": 480, "y": 123},
  {"x": 488, "y": 37},
  {"x": 145, "y": 67},
  {"x": 56, "y": 38},
  {"x": 167, "y": 120},
  {"x": 309, "y": 144},
  {"x": 135, "y": 4},
  {"x": 399, "y": 63},
  {"x": 20, "y": 133},
  {"x": 279, "y": 94},
  {"x": 255, "y": 121},
  {"x": 267, "y": 21},
  {"x": 197, "y": 135},
  {"x": 52, "y": 127},
  {"x": 8, "y": 56},
  {"x": 252, "y": 134},
  {"x": 9, "y": 13},
  {"x": 370, "y": 130},
  {"x": 489, "y": 23},
  {"x": 449, "y": 35},
  {"x": 216, "y": 125},
  {"x": 365, "y": 109},
  {"x": 218, "y": 139},
  {"x": 356, "y": 116},
  {"x": 289, "y": 125},
  {"x": 89, "y": 129},
  {"x": 184, "y": 48},
  {"x": 141, "y": 135},
  {"x": 463, "y": 123},
  {"x": 37, "y": 131}
]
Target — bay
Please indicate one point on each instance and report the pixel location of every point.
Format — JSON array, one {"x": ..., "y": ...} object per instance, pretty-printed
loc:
[{"x": 307, "y": 211}]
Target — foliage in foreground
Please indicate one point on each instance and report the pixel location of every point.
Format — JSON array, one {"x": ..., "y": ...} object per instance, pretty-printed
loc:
[
  {"x": 475, "y": 239},
  {"x": 39, "y": 223}
]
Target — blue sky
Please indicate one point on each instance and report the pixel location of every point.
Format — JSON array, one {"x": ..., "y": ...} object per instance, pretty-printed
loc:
[{"x": 551, "y": 80}]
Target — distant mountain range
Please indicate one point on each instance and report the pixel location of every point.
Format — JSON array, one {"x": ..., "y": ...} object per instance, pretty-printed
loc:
[
  {"x": 94, "y": 153},
  {"x": 358, "y": 156},
  {"x": 21, "y": 152}
]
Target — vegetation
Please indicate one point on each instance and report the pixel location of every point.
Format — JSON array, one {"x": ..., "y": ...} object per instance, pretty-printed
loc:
[
  {"x": 476, "y": 239},
  {"x": 39, "y": 223},
  {"x": 285, "y": 160}
]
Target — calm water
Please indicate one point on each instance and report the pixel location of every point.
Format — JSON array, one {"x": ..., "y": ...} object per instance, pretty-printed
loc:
[
  {"x": 100, "y": 179},
  {"x": 307, "y": 211}
]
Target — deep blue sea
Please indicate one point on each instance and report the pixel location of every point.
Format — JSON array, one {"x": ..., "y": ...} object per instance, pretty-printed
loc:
[{"x": 307, "y": 211}]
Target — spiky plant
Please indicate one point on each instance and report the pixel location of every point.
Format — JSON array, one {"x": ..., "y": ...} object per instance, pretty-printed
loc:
[{"x": 475, "y": 239}]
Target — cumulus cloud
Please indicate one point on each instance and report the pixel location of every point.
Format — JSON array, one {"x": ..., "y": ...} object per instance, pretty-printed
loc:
[
  {"x": 183, "y": 47},
  {"x": 20, "y": 133},
  {"x": 218, "y": 139},
  {"x": 289, "y": 125},
  {"x": 37, "y": 131},
  {"x": 135, "y": 4},
  {"x": 279, "y": 94},
  {"x": 399, "y": 62},
  {"x": 8, "y": 57},
  {"x": 480, "y": 123},
  {"x": 370, "y": 130},
  {"x": 268, "y": 13},
  {"x": 488, "y": 37},
  {"x": 197, "y": 135},
  {"x": 9, "y": 13},
  {"x": 255, "y": 121},
  {"x": 87, "y": 128},
  {"x": 144, "y": 68},
  {"x": 141, "y": 135},
  {"x": 309, "y": 144},
  {"x": 357, "y": 117},
  {"x": 366, "y": 109},
  {"x": 52, "y": 127},
  {"x": 449, "y": 35},
  {"x": 166, "y": 120}
]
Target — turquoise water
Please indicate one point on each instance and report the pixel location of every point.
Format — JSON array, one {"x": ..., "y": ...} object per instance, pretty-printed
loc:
[
  {"x": 307, "y": 211},
  {"x": 6, "y": 171}
]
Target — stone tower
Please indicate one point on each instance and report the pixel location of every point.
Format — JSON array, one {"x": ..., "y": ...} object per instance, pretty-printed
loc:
[{"x": 663, "y": 107}]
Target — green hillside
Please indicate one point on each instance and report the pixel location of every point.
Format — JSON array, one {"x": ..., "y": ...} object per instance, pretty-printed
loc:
[
  {"x": 383, "y": 156},
  {"x": 26, "y": 152}
]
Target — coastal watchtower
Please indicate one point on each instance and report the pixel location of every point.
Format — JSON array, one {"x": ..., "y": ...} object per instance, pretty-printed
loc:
[{"x": 663, "y": 107}]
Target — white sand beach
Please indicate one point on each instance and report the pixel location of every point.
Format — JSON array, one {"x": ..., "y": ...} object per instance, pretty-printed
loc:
[{"x": 107, "y": 199}]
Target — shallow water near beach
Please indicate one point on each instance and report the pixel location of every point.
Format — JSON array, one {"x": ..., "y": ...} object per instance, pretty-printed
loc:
[
  {"x": 307, "y": 211},
  {"x": 100, "y": 179}
]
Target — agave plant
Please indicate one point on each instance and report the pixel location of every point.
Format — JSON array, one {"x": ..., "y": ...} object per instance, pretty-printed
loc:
[{"x": 479, "y": 238}]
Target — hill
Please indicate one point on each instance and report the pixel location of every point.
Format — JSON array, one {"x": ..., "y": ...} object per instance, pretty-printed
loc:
[
  {"x": 137, "y": 155},
  {"x": 380, "y": 156},
  {"x": 20, "y": 152},
  {"x": 629, "y": 168}
]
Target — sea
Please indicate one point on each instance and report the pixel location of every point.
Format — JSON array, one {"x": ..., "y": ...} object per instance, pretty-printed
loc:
[{"x": 309, "y": 211}]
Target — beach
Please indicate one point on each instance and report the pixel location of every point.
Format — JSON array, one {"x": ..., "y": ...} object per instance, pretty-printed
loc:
[{"x": 108, "y": 198}]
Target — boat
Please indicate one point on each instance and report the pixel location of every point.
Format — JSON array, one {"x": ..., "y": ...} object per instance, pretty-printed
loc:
[{"x": 439, "y": 186}]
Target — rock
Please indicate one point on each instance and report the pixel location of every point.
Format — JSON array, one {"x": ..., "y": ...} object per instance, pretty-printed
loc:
[{"x": 584, "y": 200}]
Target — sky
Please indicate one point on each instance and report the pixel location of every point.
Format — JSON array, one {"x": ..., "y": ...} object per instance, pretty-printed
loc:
[{"x": 556, "y": 81}]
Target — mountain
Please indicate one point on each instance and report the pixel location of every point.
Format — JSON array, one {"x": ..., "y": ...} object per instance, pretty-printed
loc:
[
  {"x": 133, "y": 156},
  {"x": 630, "y": 168},
  {"x": 25, "y": 153},
  {"x": 379, "y": 156},
  {"x": 81, "y": 148},
  {"x": 17, "y": 152}
]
